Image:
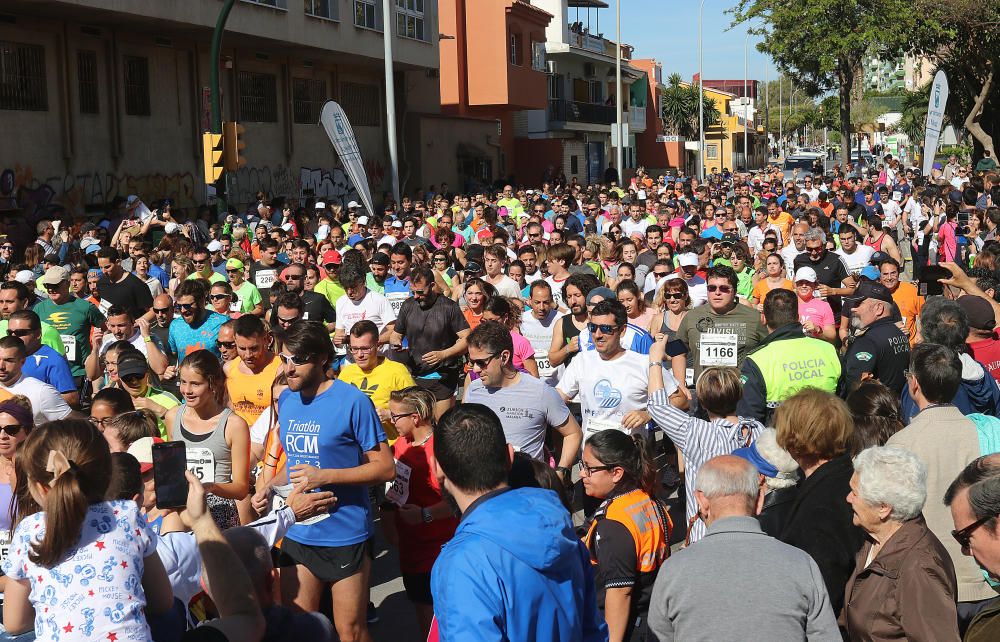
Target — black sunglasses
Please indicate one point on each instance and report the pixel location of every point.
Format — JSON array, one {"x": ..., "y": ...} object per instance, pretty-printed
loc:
[
  {"x": 161, "y": 310},
  {"x": 228, "y": 345},
  {"x": 217, "y": 297},
  {"x": 183, "y": 307},
  {"x": 12, "y": 429},
  {"x": 132, "y": 379},
  {"x": 605, "y": 328},
  {"x": 482, "y": 363},
  {"x": 18, "y": 333},
  {"x": 964, "y": 535}
]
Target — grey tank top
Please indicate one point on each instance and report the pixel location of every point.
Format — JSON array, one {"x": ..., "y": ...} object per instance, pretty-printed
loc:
[{"x": 214, "y": 441}]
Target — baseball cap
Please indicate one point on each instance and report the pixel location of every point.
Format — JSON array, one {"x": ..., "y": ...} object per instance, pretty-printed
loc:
[
  {"x": 607, "y": 294},
  {"x": 87, "y": 242},
  {"x": 25, "y": 276},
  {"x": 353, "y": 205},
  {"x": 132, "y": 362},
  {"x": 355, "y": 239},
  {"x": 806, "y": 274},
  {"x": 55, "y": 275},
  {"x": 397, "y": 224},
  {"x": 730, "y": 239},
  {"x": 92, "y": 248},
  {"x": 688, "y": 259},
  {"x": 472, "y": 266},
  {"x": 878, "y": 258},
  {"x": 331, "y": 256},
  {"x": 320, "y": 205},
  {"x": 234, "y": 264},
  {"x": 380, "y": 258},
  {"x": 171, "y": 227},
  {"x": 142, "y": 450},
  {"x": 752, "y": 455},
  {"x": 872, "y": 290},
  {"x": 979, "y": 311},
  {"x": 362, "y": 220},
  {"x": 214, "y": 247}
]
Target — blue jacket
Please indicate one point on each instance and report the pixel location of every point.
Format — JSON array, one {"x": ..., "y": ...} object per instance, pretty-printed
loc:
[
  {"x": 978, "y": 392},
  {"x": 516, "y": 571}
]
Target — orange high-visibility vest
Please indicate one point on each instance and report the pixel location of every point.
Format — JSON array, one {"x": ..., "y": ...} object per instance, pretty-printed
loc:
[{"x": 647, "y": 522}]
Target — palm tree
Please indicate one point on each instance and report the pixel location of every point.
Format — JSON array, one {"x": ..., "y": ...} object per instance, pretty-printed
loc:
[{"x": 679, "y": 109}]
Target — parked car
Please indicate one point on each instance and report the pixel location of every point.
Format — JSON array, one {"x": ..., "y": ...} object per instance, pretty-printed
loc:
[{"x": 804, "y": 164}]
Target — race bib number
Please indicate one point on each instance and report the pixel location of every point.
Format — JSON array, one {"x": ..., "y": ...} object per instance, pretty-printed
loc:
[
  {"x": 595, "y": 425},
  {"x": 396, "y": 300},
  {"x": 236, "y": 306},
  {"x": 897, "y": 196},
  {"x": 545, "y": 368},
  {"x": 399, "y": 491},
  {"x": 264, "y": 279},
  {"x": 278, "y": 502},
  {"x": 689, "y": 377},
  {"x": 201, "y": 462},
  {"x": 69, "y": 344},
  {"x": 4, "y": 545},
  {"x": 718, "y": 350},
  {"x": 104, "y": 306}
]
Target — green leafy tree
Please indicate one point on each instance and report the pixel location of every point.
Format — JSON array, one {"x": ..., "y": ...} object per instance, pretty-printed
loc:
[
  {"x": 820, "y": 44},
  {"x": 679, "y": 108}
]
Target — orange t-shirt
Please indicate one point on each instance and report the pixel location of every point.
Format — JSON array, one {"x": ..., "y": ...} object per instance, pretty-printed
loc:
[
  {"x": 784, "y": 223},
  {"x": 909, "y": 303},
  {"x": 763, "y": 287}
]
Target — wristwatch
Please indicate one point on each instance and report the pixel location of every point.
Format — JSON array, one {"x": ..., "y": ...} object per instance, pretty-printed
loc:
[{"x": 425, "y": 514}]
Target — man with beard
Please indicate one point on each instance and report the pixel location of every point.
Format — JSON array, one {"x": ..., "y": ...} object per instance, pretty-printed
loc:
[
  {"x": 196, "y": 328},
  {"x": 435, "y": 330},
  {"x": 379, "y": 266},
  {"x": 315, "y": 307},
  {"x": 334, "y": 442},
  {"x": 566, "y": 333}
]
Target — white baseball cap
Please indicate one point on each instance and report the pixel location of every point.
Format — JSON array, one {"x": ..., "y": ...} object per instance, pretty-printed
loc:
[
  {"x": 320, "y": 205},
  {"x": 362, "y": 220},
  {"x": 688, "y": 259},
  {"x": 171, "y": 227},
  {"x": 353, "y": 205},
  {"x": 214, "y": 246},
  {"x": 806, "y": 274}
]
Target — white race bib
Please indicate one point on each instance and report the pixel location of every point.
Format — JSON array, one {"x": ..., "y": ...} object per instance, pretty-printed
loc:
[
  {"x": 201, "y": 462},
  {"x": 545, "y": 367},
  {"x": 897, "y": 196},
  {"x": 104, "y": 306},
  {"x": 264, "y": 279},
  {"x": 718, "y": 349},
  {"x": 69, "y": 343},
  {"x": 396, "y": 300},
  {"x": 278, "y": 502},
  {"x": 595, "y": 425},
  {"x": 689, "y": 377},
  {"x": 399, "y": 491},
  {"x": 4, "y": 545}
]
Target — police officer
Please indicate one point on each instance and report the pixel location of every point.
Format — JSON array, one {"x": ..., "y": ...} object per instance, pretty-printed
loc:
[
  {"x": 786, "y": 361},
  {"x": 880, "y": 349}
]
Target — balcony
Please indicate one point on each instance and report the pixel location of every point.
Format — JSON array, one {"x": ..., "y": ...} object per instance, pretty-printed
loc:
[
  {"x": 637, "y": 119},
  {"x": 571, "y": 111},
  {"x": 581, "y": 38}
]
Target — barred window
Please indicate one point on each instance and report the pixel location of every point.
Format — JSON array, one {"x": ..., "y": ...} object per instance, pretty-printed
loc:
[
  {"x": 361, "y": 104},
  {"x": 136, "y": 85},
  {"x": 22, "y": 77},
  {"x": 258, "y": 97},
  {"x": 86, "y": 80},
  {"x": 308, "y": 98},
  {"x": 365, "y": 14}
]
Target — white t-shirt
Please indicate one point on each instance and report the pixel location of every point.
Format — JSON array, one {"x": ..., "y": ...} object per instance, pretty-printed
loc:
[
  {"x": 46, "y": 402},
  {"x": 755, "y": 237},
  {"x": 557, "y": 294},
  {"x": 539, "y": 335},
  {"x": 609, "y": 389},
  {"x": 373, "y": 307},
  {"x": 788, "y": 254},
  {"x": 892, "y": 210},
  {"x": 630, "y": 226},
  {"x": 857, "y": 260},
  {"x": 813, "y": 194},
  {"x": 913, "y": 213},
  {"x": 136, "y": 340},
  {"x": 506, "y": 286}
]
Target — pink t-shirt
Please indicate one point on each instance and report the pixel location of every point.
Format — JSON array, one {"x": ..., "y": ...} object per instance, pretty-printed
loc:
[
  {"x": 816, "y": 310},
  {"x": 522, "y": 349}
]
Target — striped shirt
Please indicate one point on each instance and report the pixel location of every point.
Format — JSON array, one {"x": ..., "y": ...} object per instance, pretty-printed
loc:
[{"x": 698, "y": 441}]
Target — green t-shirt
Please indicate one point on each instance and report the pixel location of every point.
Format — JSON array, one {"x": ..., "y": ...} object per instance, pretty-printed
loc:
[
  {"x": 249, "y": 296},
  {"x": 214, "y": 278},
  {"x": 332, "y": 290},
  {"x": 742, "y": 321},
  {"x": 166, "y": 400},
  {"x": 374, "y": 285},
  {"x": 71, "y": 322}
]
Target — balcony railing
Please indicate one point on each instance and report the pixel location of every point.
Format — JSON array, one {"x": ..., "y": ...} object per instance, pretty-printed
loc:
[
  {"x": 577, "y": 112},
  {"x": 637, "y": 117}
]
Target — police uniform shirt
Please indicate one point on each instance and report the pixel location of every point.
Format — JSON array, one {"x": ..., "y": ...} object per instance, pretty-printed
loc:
[{"x": 882, "y": 350}]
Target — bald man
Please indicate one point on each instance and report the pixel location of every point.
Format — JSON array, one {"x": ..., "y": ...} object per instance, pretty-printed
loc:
[
  {"x": 255, "y": 554},
  {"x": 777, "y": 592}
]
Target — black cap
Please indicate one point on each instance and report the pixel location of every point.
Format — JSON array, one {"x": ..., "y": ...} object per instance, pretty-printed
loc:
[
  {"x": 132, "y": 362},
  {"x": 872, "y": 290},
  {"x": 730, "y": 239},
  {"x": 878, "y": 258},
  {"x": 472, "y": 266},
  {"x": 380, "y": 258}
]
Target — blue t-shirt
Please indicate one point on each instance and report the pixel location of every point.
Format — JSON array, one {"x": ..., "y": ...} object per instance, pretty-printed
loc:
[
  {"x": 333, "y": 430},
  {"x": 51, "y": 367},
  {"x": 712, "y": 233},
  {"x": 185, "y": 339}
]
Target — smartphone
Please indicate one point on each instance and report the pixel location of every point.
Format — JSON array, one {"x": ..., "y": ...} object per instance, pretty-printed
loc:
[
  {"x": 169, "y": 482},
  {"x": 928, "y": 284}
]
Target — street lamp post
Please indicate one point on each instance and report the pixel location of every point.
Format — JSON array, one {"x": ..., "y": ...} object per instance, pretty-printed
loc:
[
  {"x": 618, "y": 90},
  {"x": 746, "y": 102},
  {"x": 701, "y": 97},
  {"x": 390, "y": 96}
]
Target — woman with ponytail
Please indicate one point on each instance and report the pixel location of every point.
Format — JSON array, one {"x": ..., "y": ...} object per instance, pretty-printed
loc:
[
  {"x": 83, "y": 568},
  {"x": 629, "y": 535}
]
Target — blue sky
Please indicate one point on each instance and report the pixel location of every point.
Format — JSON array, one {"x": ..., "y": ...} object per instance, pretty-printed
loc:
[{"x": 668, "y": 31}]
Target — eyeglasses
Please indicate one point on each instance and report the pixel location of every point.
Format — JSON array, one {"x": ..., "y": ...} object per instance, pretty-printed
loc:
[
  {"x": 234, "y": 271},
  {"x": 588, "y": 470},
  {"x": 18, "y": 333},
  {"x": 219, "y": 297},
  {"x": 440, "y": 259},
  {"x": 361, "y": 349},
  {"x": 964, "y": 535},
  {"x": 293, "y": 277},
  {"x": 201, "y": 262},
  {"x": 183, "y": 307},
  {"x": 660, "y": 275},
  {"x": 9, "y": 248},
  {"x": 161, "y": 310},
  {"x": 724, "y": 289},
  {"x": 12, "y": 429},
  {"x": 423, "y": 292},
  {"x": 394, "y": 417},
  {"x": 815, "y": 250},
  {"x": 228, "y": 345},
  {"x": 100, "y": 422},
  {"x": 605, "y": 328},
  {"x": 296, "y": 360},
  {"x": 482, "y": 363}
]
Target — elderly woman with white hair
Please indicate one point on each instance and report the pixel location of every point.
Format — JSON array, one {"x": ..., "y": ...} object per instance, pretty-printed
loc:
[{"x": 903, "y": 585}]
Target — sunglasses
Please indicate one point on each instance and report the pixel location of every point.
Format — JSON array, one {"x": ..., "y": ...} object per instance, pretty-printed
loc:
[
  {"x": 218, "y": 297},
  {"x": 815, "y": 250},
  {"x": 131, "y": 380},
  {"x": 49, "y": 287},
  {"x": 589, "y": 470},
  {"x": 9, "y": 248},
  {"x": 293, "y": 277},
  {"x": 605, "y": 328},
  {"x": 296, "y": 360},
  {"x": 183, "y": 307},
  {"x": 286, "y": 321},
  {"x": 482, "y": 363},
  {"x": 228, "y": 345},
  {"x": 331, "y": 267},
  {"x": 202, "y": 262},
  {"x": 12, "y": 429},
  {"x": 234, "y": 271},
  {"x": 725, "y": 289},
  {"x": 161, "y": 310},
  {"x": 964, "y": 535},
  {"x": 440, "y": 259},
  {"x": 18, "y": 333},
  {"x": 672, "y": 296}
]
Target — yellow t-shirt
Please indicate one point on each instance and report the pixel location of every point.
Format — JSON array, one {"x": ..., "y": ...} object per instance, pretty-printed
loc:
[
  {"x": 250, "y": 394},
  {"x": 379, "y": 384}
]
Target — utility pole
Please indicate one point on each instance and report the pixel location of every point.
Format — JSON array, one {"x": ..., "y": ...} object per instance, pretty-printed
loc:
[
  {"x": 746, "y": 101},
  {"x": 221, "y": 206},
  {"x": 390, "y": 96},
  {"x": 701, "y": 97},
  {"x": 618, "y": 91}
]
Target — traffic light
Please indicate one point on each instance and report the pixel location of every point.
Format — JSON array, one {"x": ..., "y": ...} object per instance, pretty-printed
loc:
[
  {"x": 231, "y": 134},
  {"x": 212, "y": 148}
]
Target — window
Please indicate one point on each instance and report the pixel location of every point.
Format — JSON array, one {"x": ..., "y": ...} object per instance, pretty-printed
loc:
[
  {"x": 136, "y": 85},
  {"x": 258, "y": 97},
  {"x": 365, "y": 14},
  {"x": 322, "y": 9},
  {"x": 361, "y": 104},
  {"x": 308, "y": 98},
  {"x": 410, "y": 19},
  {"x": 538, "y": 56},
  {"x": 516, "y": 49},
  {"x": 22, "y": 77},
  {"x": 277, "y": 4},
  {"x": 596, "y": 94},
  {"x": 86, "y": 79},
  {"x": 574, "y": 164}
]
